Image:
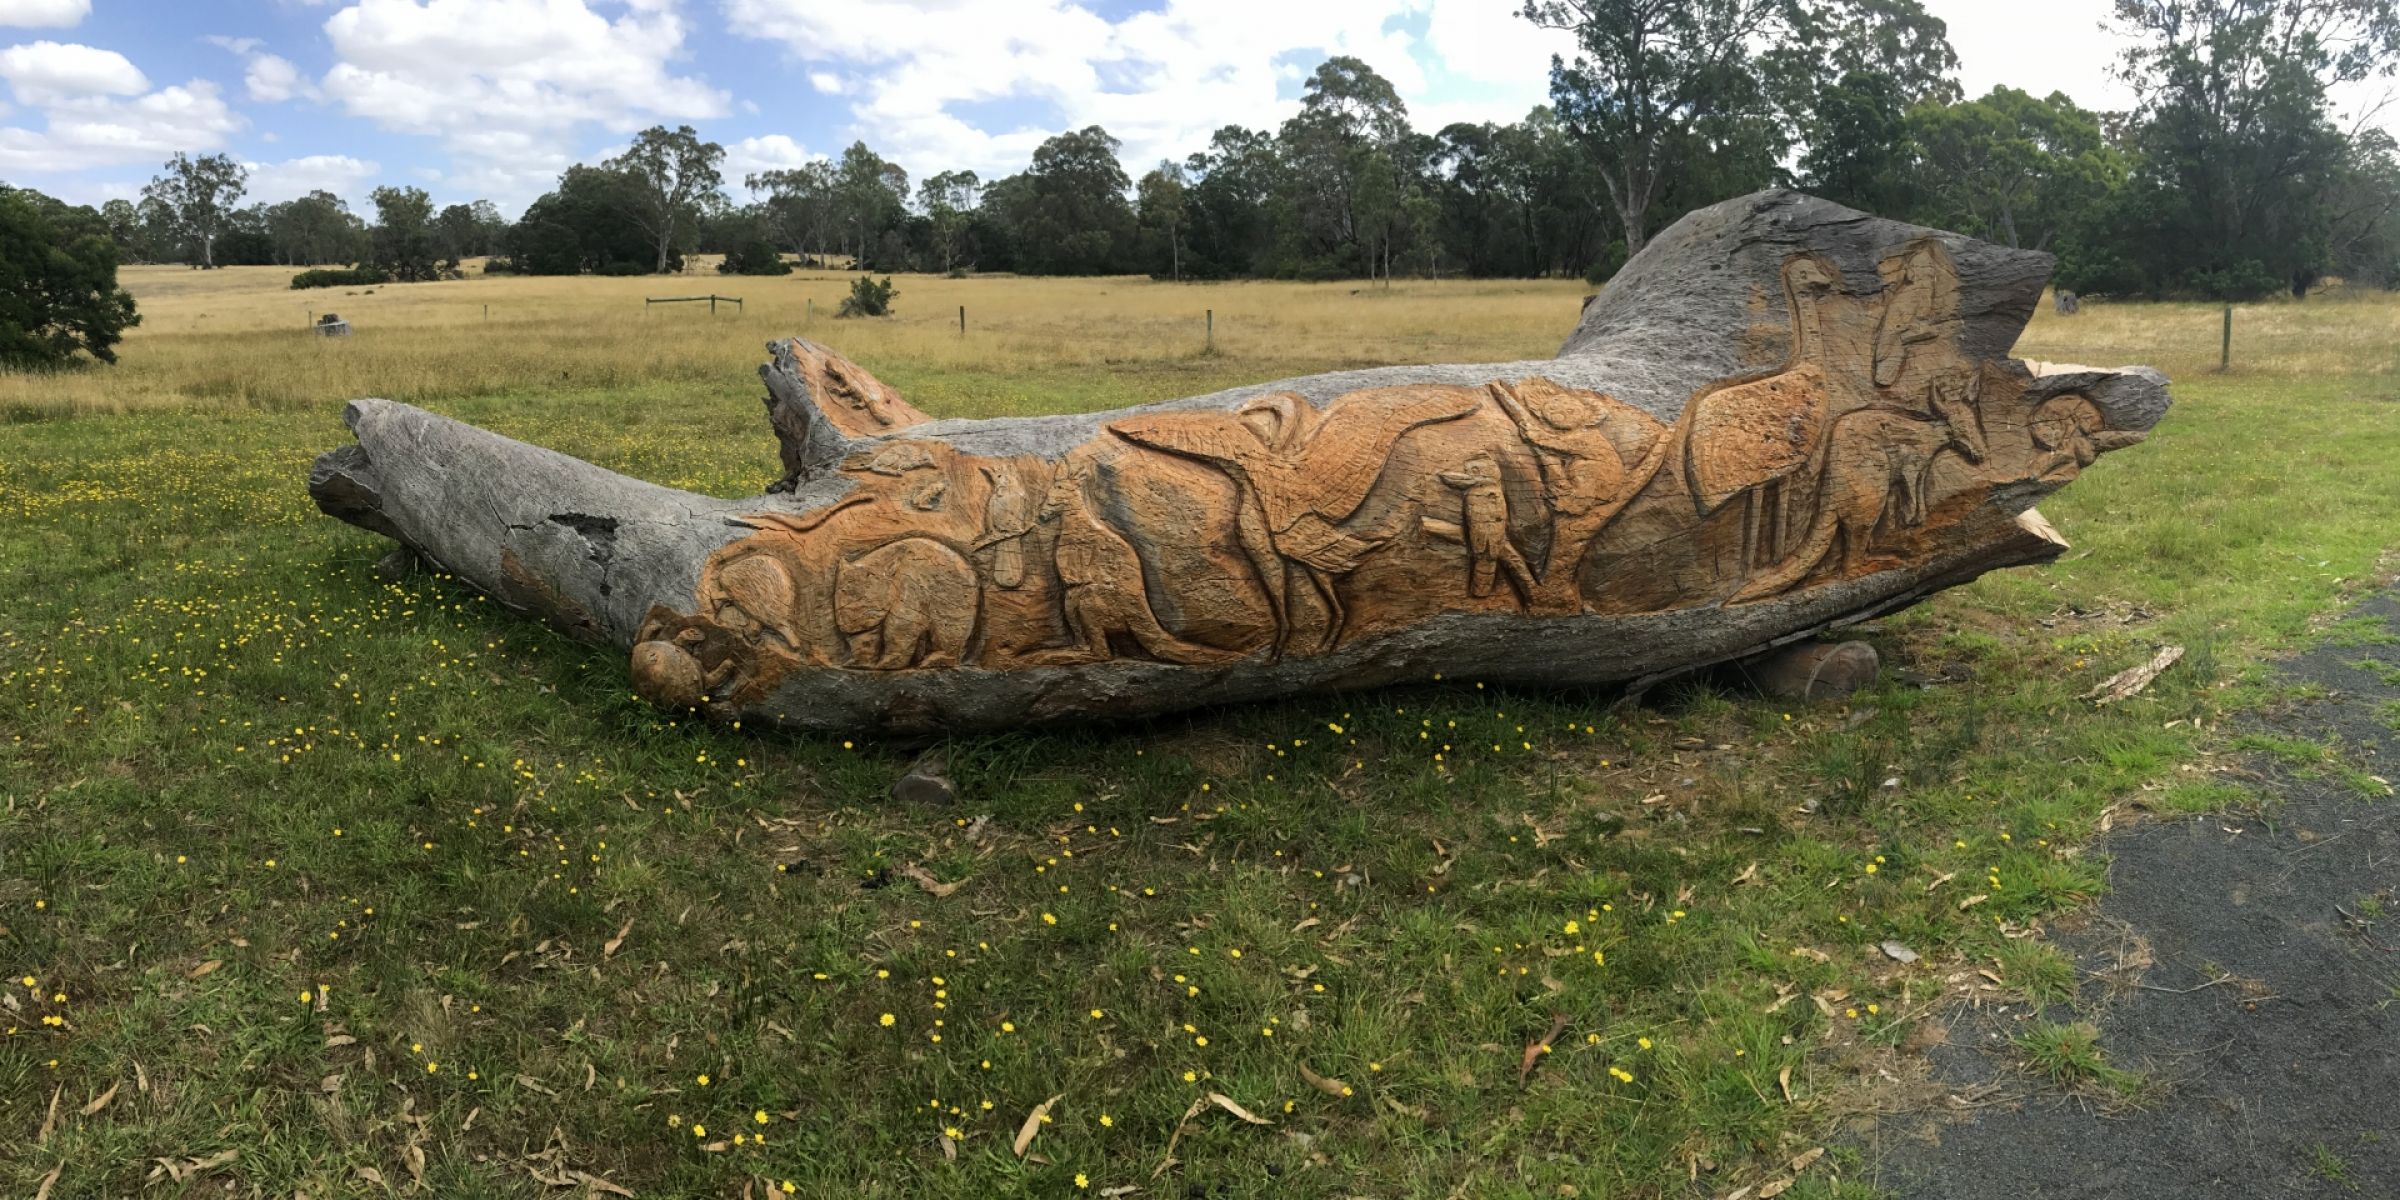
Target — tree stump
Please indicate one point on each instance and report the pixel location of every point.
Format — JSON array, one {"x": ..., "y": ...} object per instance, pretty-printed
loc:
[{"x": 1780, "y": 418}]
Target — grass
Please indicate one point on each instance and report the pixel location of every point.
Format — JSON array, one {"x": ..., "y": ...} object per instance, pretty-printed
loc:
[
  {"x": 2069, "y": 1056},
  {"x": 342, "y": 875},
  {"x": 2329, "y": 1166}
]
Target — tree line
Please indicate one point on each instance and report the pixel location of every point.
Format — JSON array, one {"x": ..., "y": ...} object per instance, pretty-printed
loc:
[{"x": 2229, "y": 178}]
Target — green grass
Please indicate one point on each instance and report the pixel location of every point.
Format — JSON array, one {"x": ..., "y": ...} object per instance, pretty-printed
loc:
[
  {"x": 238, "y": 770},
  {"x": 2069, "y": 1056},
  {"x": 2039, "y": 970},
  {"x": 2329, "y": 1166},
  {"x": 2308, "y": 759}
]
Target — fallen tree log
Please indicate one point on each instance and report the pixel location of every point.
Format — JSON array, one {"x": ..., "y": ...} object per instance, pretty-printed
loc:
[{"x": 1781, "y": 417}]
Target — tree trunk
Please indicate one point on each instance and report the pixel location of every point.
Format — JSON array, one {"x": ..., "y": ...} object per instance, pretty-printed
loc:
[
  {"x": 1632, "y": 219},
  {"x": 1587, "y": 519}
]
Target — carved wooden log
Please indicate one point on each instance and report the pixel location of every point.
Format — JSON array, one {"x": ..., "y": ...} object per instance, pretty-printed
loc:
[{"x": 1782, "y": 416}]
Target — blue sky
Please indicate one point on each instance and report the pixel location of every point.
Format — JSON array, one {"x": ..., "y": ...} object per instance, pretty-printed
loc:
[{"x": 491, "y": 99}]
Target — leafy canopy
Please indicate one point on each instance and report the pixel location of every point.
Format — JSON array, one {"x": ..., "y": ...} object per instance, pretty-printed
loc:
[{"x": 58, "y": 284}]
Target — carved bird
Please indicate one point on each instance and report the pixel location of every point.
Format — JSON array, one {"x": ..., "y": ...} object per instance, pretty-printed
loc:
[{"x": 1743, "y": 438}]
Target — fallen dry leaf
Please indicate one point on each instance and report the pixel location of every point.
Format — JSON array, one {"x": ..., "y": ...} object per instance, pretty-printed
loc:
[
  {"x": 598, "y": 1184},
  {"x": 1535, "y": 1049},
  {"x": 49, "y": 1122},
  {"x": 1221, "y": 1100},
  {"x": 98, "y": 1102},
  {"x": 1771, "y": 1190},
  {"x": 925, "y": 881},
  {"x": 1033, "y": 1124},
  {"x": 204, "y": 968},
  {"x": 1181, "y": 1124},
  {"x": 608, "y": 949},
  {"x": 1324, "y": 1083},
  {"x": 1783, "y": 1079},
  {"x": 49, "y": 1180},
  {"x": 1801, "y": 1161}
]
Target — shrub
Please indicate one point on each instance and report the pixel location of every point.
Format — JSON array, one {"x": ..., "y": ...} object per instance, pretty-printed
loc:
[
  {"x": 868, "y": 298},
  {"x": 62, "y": 296},
  {"x": 324, "y": 277},
  {"x": 757, "y": 256}
]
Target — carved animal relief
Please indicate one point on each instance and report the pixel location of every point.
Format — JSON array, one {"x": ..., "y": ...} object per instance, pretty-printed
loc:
[{"x": 1334, "y": 531}]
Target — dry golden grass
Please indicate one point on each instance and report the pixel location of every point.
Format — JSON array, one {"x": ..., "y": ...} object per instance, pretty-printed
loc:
[{"x": 237, "y": 339}]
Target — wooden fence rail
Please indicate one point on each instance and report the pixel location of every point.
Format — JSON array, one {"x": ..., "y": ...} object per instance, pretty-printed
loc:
[{"x": 735, "y": 301}]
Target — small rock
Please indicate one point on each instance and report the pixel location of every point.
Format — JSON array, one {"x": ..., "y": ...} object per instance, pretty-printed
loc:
[
  {"x": 927, "y": 782},
  {"x": 1898, "y": 952},
  {"x": 398, "y": 565},
  {"x": 1815, "y": 670}
]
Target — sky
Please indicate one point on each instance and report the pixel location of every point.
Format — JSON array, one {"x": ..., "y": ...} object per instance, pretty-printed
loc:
[{"x": 491, "y": 99}]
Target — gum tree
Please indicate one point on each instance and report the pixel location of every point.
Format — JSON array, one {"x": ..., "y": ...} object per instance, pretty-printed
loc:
[{"x": 670, "y": 170}]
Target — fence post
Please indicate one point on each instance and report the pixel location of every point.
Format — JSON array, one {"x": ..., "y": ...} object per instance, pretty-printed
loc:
[
  {"x": 962, "y": 320},
  {"x": 812, "y": 312},
  {"x": 712, "y": 304},
  {"x": 1212, "y": 330},
  {"x": 2225, "y": 348}
]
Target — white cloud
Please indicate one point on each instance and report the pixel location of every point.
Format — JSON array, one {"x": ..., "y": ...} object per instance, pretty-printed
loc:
[
  {"x": 507, "y": 84},
  {"x": 268, "y": 78},
  {"x": 1161, "y": 81},
  {"x": 274, "y": 79},
  {"x": 340, "y": 174},
  {"x": 52, "y": 73},
  {"x": 751, "y": 155},
  {"x": 95, "y": 131},
  {"x": 58, "y": 14}
]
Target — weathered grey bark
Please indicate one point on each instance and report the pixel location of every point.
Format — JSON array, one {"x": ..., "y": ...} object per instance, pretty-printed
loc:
[{"x": 1708, "y": 307}]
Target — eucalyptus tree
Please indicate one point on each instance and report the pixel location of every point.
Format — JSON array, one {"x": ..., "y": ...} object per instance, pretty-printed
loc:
[
  {"x": 671, "y": 171},
  {"x": 196, "y": 197}
]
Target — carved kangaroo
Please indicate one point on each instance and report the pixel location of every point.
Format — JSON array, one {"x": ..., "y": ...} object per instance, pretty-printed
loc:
[{"x": 1878, "y": 460}]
